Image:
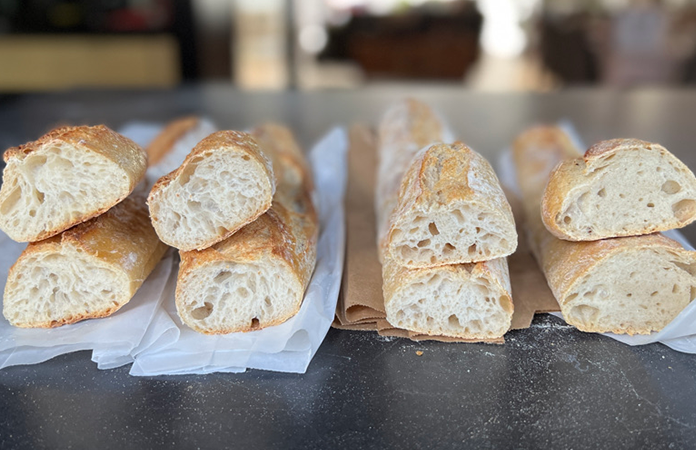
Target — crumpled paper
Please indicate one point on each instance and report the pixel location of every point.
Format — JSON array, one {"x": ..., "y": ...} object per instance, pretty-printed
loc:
[
  {"x": 680, "y": 333},
  {"x": 289, "y": 347}
]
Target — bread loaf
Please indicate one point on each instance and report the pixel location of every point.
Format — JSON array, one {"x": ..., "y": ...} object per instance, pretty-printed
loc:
[
  {"x": 632, "y": 285},
  {"x": 450, "y": 210},
  {"x": 620, "y": 187},
  {"x": 64, "y": 178},
  {"x": 223, "y": 184},
  {"x": 437, "y": 208},
  {"x": 88, "y": 271},
  {"x": 257, "y": 277}
]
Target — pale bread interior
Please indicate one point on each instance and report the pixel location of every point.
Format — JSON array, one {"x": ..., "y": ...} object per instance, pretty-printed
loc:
[
  {"x": 636, "y": 291},
  {"x": 627, "y": 192},
  {"x": 464, "y": 231},
  {"x": 46, "y": 289},
  {"x": 55, "y": 187},
  {"x": 221, "y": 297},
  {"x": 442, "y": 303},
  {"x": 217, "y": 191}
]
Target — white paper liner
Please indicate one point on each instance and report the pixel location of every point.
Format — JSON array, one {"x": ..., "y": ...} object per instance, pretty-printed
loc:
[
  {"x": 680, "y": 333},
  {"x": 288, "y": 347}
]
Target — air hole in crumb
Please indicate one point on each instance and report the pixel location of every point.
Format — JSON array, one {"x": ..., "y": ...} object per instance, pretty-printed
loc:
[
  {"x": 453, "y": 321},
  {"x": 653, "y": 294},
  {"x": 423, "y": 243},
  {"x": 602, "y": 193},
  {"x": 433, "y": 229},
  {"x": 472, "y": 249},
  {"x": 449, "y": 248},
  {"x": 245, "y": 157},
  {"x": 684, "y": 209},
  {"x": 478, "y": 229},
  {"x": 267, "y": 301},
  {"x": 629, "y": 295},
  {"x": 222, "y": 276},
  {"x": 255, "y": 323},
  {"x": 567, "y": 219},
  {"x": 202, "y": 311},
  {"x": 675, "y": 289},
  {"x": 622, "y": 196},
  {"x": 651, "y": 205},
  {"x": 32, "y": 213},
  {"x": 671, "y": 187}
]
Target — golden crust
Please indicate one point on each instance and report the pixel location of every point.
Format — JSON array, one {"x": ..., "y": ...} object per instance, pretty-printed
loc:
[
  {"x": 99, "y": 139},
  {"x": 165, "y": 140},
  {"x": 236, "y": 141},
  {"x": 121, "y": 239},
  {"x": 287, "y": 233},
  {"x": 605, "y": 148}
]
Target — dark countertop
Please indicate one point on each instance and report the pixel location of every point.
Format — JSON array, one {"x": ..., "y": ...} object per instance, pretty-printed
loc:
[{"x": 549, "y": 386}]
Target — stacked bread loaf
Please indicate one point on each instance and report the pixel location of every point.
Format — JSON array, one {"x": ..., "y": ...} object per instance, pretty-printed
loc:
[
  {"x": 444, "y": 230},
  {"x": 239, "y": 210},
  {"x": 91, "y": 246},
  {"x": 589, "y": 219}
]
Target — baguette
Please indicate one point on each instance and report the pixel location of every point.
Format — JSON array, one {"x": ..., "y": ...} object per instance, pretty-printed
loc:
[
  {"x": 450, "y": 210},
  {"x": 620, "y": 187},
  {"x": 225, "y": 183},
  {"x": 162, "y": 144},
  {"x": 64, "y": 178},
  {"x": 88, "y": 271},
  {"x": 627, "y": 285},
  {"x": 405, "y": 128},
  {"x": 423, "y": 200},
  {"x": 257, "y": 277}
]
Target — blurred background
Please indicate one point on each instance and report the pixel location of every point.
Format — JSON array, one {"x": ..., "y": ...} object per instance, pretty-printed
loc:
[{"x": 488, "y": 45}]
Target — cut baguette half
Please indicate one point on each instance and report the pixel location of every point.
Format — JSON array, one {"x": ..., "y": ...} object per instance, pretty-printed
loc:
[
  {"x": 64, "y": 178},
  {"x": 225, "y": 183},
  {"x": 252, "y": 280},
  {"x": 451, "y": 210},
  {"x": 625, "y": 285},
  {"x": 88, "y": 271},
  {"x": 464, "y": 301},
  {"x": 631, "y": 285},
  {"x": 620, "y": 187}
]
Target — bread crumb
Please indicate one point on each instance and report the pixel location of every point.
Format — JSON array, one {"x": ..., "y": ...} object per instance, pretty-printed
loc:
[{"x": 419, "y": 353}]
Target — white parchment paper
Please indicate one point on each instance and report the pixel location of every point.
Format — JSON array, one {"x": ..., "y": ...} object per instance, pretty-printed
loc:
[
  {"x": 289, "y": 347},
  {"x": 680, "y": 333}
]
